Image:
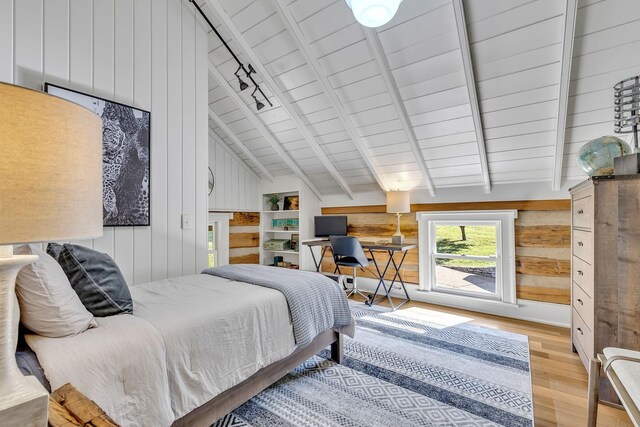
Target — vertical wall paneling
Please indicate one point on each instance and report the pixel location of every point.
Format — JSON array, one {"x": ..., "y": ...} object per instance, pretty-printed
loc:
[
  {"x": 188, "y": 133},
  {"x": 236, "y": 184},
  {"x": 27, "y": 43},
  {"x": 174, "y": 148},
  {"x": 6, "y": 40},
  {"x": 123, "y": 83},
  {"x": 146, "y": 53},
  {"x": 202, "y": 144},
  {"x": 103, "y": 79},
  {"x": 142, "y": 77},
  {"x": 159, "y": 127},
  {"x": 81, "y": 45},
  {"x": 55, "y": 39}
]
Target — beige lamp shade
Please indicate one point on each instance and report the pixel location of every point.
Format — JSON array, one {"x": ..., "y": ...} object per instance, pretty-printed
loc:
[
  {"x": 50, "y": 168},
  {"x": 398, "y": 202}
]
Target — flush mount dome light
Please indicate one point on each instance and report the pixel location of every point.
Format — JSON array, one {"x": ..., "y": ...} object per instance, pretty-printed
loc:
[{"x": 374, "y": 13}]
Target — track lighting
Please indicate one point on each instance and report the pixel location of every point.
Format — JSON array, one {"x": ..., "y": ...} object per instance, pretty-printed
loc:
[
  {"x": 248, "y": 70},
  {"x": 259, "y": 105},
  {"x": 243, "y": 84}
]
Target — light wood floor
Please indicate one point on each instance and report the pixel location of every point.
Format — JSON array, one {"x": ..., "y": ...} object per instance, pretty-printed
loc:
[{"x": 559, "y": 378}]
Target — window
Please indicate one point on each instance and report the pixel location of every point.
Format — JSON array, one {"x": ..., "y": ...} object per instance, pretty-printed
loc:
[
  {"x": 468, "y": 253},
  {"x": 212, "y": 250}
]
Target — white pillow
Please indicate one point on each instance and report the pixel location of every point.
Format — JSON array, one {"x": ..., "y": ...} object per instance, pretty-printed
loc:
[{"x": 48, "y": 304}]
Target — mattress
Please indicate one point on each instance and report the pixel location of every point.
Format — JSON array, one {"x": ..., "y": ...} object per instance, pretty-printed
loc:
[{"x": 189, "y": 339}]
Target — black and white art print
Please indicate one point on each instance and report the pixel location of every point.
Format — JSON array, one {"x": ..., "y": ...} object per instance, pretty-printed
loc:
[{"x": 125, "y": 157}]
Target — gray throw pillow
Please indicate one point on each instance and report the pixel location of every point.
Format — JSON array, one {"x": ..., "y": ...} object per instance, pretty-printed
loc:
[
  {"x": 54, "y": 250},
  {"x": 96, "y": 279}
]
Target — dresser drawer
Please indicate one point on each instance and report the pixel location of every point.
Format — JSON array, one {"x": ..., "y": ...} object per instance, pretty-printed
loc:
[
  {"x": 582, "y": 275},
  {"x": 582, "y": 212},
  {"x": 582, "y": 334},
  {"x": 582, "y": 245},
  {"x": 583, "y": 304},
  {"x": 583, "y": 356}
]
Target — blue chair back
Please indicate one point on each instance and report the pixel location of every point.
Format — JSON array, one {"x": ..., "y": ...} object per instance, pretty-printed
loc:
[{"x": 349, "y": 249}]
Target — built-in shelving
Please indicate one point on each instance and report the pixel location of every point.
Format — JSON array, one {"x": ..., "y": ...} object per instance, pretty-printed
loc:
[{"x": 267, "y": 232}]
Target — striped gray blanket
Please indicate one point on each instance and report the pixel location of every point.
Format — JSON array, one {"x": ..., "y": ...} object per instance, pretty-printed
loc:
[{"x": 316, "y": 302}]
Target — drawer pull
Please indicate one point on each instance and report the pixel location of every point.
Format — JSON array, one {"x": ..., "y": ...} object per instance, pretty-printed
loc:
[
  {"x": 580, "y": 244},
  {"x": 580, "y": 212},
  {"x": 579, "y": 301},
  {"x": 580, "y": 273},
  {"x": 580, "y": 330}
]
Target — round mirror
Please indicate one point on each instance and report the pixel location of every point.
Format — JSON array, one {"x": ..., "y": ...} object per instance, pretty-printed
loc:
[{"x": 212, "y": 181}]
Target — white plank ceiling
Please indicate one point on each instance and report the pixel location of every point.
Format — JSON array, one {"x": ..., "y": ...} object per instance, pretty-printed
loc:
[{"x": 356, "y": 110}]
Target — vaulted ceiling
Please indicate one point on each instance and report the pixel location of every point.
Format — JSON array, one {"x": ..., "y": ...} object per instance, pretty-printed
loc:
[{"x": 450, "y": 93}]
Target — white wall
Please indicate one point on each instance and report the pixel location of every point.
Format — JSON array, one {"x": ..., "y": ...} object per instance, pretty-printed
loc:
[
  {"x": 148, "y": 53},
  {"x": 237, "y": 187}
]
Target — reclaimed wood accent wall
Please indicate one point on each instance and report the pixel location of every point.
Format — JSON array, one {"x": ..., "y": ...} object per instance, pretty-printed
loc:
[
  {"x": 543, "y": 239},
  {"x": 244, "y": 238}
]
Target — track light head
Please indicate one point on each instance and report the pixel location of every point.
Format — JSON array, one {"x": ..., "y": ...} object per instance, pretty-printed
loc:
[
  {"x": 259, "y": 105},
  {"x": 243, "y": 84},
  {"x": 251, "y": 70}
]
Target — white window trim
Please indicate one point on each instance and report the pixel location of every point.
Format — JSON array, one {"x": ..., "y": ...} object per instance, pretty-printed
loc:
[
  {"x": 504, "y": 220},
  {"x": 220, "y": 222}
]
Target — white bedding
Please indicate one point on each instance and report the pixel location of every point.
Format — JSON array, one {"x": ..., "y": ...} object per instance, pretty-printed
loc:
[
  {"x": 119, "y": 365},
  {"x": 215, "y": 334}
]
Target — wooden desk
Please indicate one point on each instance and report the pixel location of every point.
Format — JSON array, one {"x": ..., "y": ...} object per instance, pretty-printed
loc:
[{"x": 373, "y": 247}]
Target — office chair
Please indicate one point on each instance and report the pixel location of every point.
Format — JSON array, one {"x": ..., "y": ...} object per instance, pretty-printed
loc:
[{"x": 348, "y": 252}]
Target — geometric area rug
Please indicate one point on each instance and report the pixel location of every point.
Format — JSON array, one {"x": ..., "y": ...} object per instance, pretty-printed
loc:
[{"x": 412, "y": 367}]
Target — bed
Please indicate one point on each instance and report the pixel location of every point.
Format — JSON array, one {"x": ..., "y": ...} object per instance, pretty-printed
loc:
[{"x": 195, "y": 348}]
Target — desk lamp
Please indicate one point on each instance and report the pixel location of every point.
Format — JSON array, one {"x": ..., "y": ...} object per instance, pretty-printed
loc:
[{"x": 398, "y": 203}]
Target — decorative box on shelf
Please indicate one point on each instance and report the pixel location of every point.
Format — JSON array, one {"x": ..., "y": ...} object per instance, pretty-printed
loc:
[
  {"x": 285, "y": 223},
  {"x": 277, "y": 244}
]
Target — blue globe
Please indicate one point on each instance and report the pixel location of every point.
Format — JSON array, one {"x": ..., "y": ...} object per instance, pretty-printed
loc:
[{"x": 596, "y": 157}]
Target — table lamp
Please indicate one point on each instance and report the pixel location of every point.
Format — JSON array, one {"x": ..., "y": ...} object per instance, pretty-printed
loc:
[
  {"x": 50, "y": 189},
  {"x": 398, "y": 203}
]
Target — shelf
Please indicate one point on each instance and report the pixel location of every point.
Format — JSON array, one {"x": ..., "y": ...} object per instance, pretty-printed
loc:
[
  {"x": 282, "y": 211},
  {"x": 281, "y": 252},
  {"x": 282, "y": 231}
]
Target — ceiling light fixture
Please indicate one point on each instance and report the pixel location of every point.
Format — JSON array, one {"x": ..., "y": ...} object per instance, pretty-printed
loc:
[
  {"x": 247, "y": 70},
  {"x": 374, "y": 13},
  {"x": 259, "y": 105},
  {"x": 243, "y": 84}
]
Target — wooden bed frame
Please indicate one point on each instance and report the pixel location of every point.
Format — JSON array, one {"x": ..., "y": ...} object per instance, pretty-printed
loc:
[{"x": 230, "y": 399}]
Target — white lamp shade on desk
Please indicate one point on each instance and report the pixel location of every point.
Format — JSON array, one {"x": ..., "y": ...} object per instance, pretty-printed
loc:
[
  {"x": 398, "y": 202},
  {"x": 51, "y": 168}
]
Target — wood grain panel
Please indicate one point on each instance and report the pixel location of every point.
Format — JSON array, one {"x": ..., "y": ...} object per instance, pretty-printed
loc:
[
  {"x": 544, "y": 236},
  {"x": 243, "y": 240},
  {"x": 245, "y": 259},
  {"x": 535, "y": 293},
  {"x": 245, "y": 219},
  {"x": 521, "y": 205},
  {"x": 543, "y": 266}
]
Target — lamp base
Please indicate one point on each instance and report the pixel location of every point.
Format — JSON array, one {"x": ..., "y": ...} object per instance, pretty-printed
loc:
[
  {"x": 23, "y": 400},
  {"x": 397, "y": 239}
]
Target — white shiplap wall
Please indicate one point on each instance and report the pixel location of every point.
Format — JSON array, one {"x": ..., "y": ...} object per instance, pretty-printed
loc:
[
  {"x": 606, "y": 50},
  {"x": 237, "y": 187},
  {"x": 146, "y": 53}
]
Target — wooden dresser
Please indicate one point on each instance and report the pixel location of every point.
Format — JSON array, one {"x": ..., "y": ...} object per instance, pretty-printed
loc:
[{"x": 605, "y": 268}]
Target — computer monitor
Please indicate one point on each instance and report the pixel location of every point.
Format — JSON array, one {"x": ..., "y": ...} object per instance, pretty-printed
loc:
[{"x": 330, "y": 226}]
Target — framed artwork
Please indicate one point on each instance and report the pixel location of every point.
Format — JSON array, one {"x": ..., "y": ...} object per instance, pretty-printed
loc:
[{"x": 126, "y": 161}]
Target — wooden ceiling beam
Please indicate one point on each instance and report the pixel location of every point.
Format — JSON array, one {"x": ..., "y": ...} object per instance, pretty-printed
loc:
[
  {"x": 292, "y": 25},
  {"x": 218, "y": 121},
  {"x": 279, "y": 95},
  {"x": 463, "y": 37},
  {"x": 385, "y": 71},
  {"x": 257, "y": 123},
  {"x": 570, "y": 16}
]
